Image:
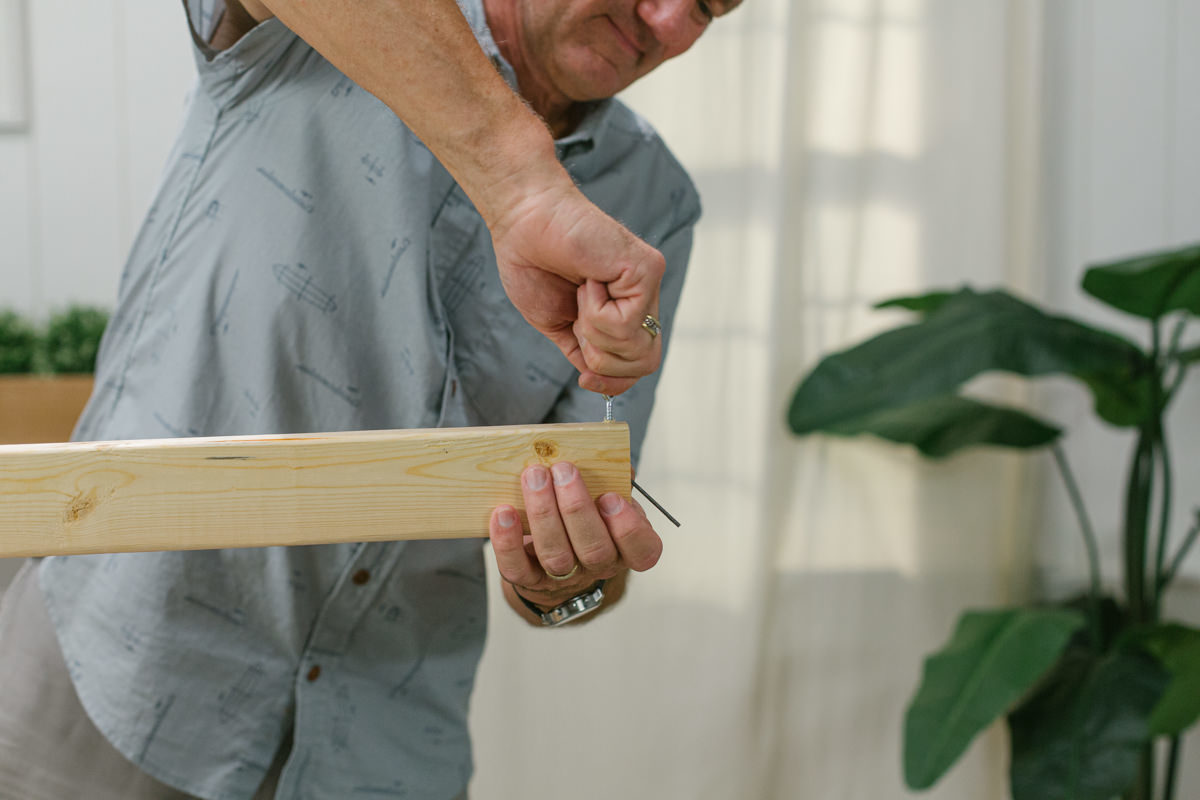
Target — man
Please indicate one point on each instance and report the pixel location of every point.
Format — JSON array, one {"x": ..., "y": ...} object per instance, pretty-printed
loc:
[{"x": 313, "y": 263}]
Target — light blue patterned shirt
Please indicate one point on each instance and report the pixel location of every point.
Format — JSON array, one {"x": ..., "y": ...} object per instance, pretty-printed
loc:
[{"x": 307, "y": 265}]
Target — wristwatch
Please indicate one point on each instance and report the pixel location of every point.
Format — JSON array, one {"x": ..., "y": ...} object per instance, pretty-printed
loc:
[{"x": 572, "y": 609}]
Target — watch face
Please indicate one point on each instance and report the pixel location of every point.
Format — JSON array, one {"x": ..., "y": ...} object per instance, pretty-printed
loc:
[{"x": 576, "y": 607}]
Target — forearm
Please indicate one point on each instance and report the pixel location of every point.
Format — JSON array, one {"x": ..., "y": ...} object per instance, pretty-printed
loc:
[
  {"x": 421, "y": 59},
  {"x": 614, "y": 590}
]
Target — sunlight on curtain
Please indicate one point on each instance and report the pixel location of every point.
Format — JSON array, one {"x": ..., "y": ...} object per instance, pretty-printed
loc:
[{"x": 845, "y": 151}]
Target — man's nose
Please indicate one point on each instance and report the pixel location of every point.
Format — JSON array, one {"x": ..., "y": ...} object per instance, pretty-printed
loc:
[{"x": 673, "y": 23}]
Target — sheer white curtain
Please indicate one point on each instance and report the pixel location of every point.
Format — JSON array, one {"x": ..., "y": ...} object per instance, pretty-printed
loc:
[{"x": 846, "y": 150}]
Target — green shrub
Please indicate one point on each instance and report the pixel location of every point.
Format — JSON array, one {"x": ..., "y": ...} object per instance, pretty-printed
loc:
[
  {"x": 18, "y": 343},
  {"x": 67, "y": 344},
  {"x": 72, "y": 338}
]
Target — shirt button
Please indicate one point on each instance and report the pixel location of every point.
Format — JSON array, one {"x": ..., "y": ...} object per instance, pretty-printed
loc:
[
  {"x": 314, "y": 673},
  {"x": 361, "y": 577}
]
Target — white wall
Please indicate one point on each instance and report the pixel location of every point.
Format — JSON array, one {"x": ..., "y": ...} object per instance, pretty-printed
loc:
[{"x": 108, "y": 81}]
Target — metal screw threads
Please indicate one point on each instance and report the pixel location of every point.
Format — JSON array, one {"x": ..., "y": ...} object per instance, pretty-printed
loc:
[{"x": 608, "y": 408}]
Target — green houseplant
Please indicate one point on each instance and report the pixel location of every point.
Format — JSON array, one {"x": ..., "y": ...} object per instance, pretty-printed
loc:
[
  {"x": 18, "y": 344},
  {"x": 1088, "y": 686},
  {"x": 72, "y": 339},
  {"x": 67, "y": 344},
  {"x": 45, "y": 373}
]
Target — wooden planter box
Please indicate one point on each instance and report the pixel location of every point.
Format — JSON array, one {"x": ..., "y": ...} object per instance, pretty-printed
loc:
[{"x": 37, "y": 408}]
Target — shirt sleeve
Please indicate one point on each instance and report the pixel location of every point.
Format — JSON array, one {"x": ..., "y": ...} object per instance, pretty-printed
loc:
[{"x": 634, "y": 406}]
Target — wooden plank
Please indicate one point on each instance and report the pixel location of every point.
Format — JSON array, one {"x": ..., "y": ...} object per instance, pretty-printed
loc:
[
  {"x": 36, "y": 408},
  {"x": 260, "y": 491}
]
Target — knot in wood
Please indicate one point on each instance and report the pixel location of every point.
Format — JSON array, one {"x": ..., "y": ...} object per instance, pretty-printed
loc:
[
  {"x": 545, "y": 449},
  {"x": 80, "y": 506}
]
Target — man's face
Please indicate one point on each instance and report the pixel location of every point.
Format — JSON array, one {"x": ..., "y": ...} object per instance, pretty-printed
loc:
[{"x": 592, "y": 49}]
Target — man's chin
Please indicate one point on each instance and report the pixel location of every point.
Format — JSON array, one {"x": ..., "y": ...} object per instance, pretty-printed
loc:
[{"x": 601, "y": 80}]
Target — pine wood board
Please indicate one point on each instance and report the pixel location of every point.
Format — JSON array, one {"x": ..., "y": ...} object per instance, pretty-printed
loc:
[{"x": 261, "y": 491}]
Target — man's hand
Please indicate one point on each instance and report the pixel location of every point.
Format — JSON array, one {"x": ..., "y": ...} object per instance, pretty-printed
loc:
[
  {"x": 567, "y": 531},
  {"x": 582, "y": 280}
]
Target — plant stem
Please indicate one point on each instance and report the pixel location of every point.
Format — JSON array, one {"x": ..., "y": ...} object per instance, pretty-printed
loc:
[
  {"x": 1188, "y": 540},
  {"x": 1172, "y": 354},
  {"x": 1089, "y": 540},
  {"x": 1176, "y": 337},
  {"x": 1137, "y": 512},
  {"x": 1138, "y": 501},
  {"x": 1175, "y": 384},
  {"x": 1140, "y": 492},
  {"x": 1160, "y": 401},
  {"x": 1144, "y": 788},
  {"x": 1164, "y": 515},
  {"x": 1172, "y": 768}
]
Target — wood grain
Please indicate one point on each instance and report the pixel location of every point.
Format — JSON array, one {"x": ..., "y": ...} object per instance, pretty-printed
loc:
[{"x": 259, "y": 491}]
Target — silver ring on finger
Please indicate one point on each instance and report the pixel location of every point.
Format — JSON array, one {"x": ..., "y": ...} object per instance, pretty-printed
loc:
[{"x": 570, "y": 574}]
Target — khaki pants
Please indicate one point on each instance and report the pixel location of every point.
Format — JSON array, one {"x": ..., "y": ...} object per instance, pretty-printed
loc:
[{"x": 49, "y": 748}]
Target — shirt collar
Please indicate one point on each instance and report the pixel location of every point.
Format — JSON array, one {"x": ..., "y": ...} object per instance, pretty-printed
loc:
[{"x": 581, "y": 140}]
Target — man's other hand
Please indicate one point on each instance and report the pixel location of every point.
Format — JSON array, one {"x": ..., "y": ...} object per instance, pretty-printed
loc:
[{"x": 569, "y": 534}]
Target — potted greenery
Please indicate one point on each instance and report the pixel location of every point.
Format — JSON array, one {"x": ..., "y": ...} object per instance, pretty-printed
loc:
[
  {"x": 45, "y": 375},
  {"x": 18, "y": 344},
  {"x": 1088, "y": 686}
]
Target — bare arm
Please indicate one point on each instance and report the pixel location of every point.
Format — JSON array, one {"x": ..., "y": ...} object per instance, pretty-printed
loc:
[{"x": 421, "y": 59}]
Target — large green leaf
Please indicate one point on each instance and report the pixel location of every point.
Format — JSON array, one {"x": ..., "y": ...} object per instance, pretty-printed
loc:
[
  {"x": 1080, "y": 736},
  {"x": 992, "y": 659},
  {"x": 968, "y": 334},
  {"x": 1177, "y": 647},
  {"x": 922, "y": 303},
  {"x": 1149, "y": 285},
  {"x": 944, "y": 425}
]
